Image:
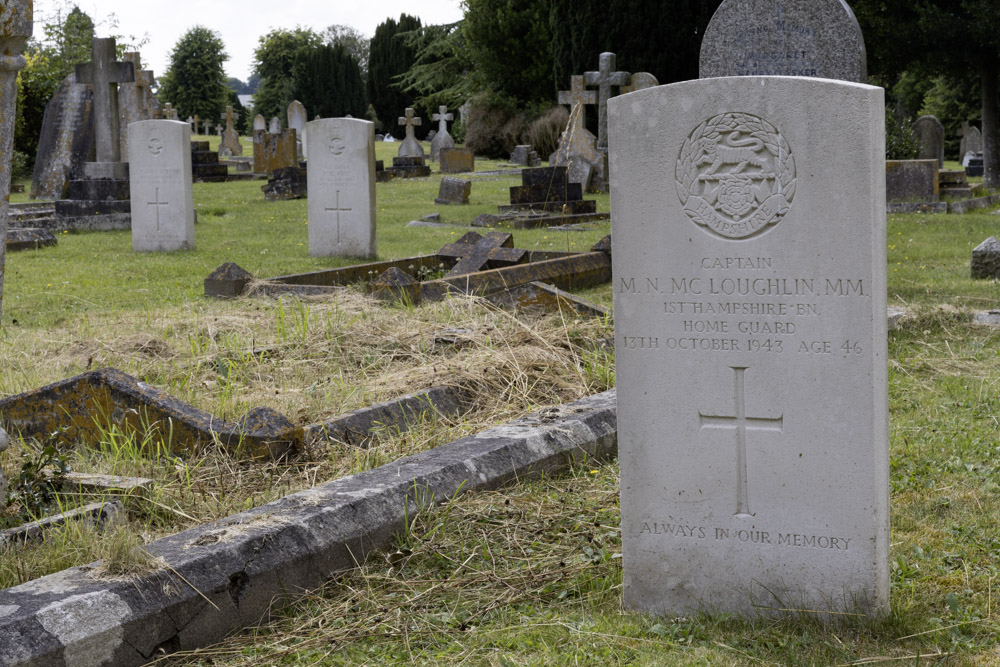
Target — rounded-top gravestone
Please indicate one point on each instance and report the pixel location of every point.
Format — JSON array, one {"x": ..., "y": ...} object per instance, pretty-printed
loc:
[{"x": 818, "y": 38}]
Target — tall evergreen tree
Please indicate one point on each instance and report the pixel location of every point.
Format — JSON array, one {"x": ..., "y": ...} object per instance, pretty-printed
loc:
[
  {"x": 276, "y": 56},
  {"x": 389, "y": 57},
  {"x": 195, "y": 82},
  {"x": 328, "y": 82}
]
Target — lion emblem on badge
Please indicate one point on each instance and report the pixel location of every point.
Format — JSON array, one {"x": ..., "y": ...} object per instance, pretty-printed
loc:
[{"x": 736, "y": 176}]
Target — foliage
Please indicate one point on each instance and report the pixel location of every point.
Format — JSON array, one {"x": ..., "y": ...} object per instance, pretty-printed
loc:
[
  {"x": 952, "y": 100},
  {"x": 352, "y": 40},
  {"x": 238, "y": 86},
  {"x": 244, "y": 122},
  {"x": 495, "y": 126},
  {"x": 275, "y": 58},
  {"x": 582, "y": 29},
  {"x": 545, "y": 131},
  {"x": 328, "y": 82},
  {"x": 195, "y": 81},
  {"x": 34, "y": 492},
  {"x": 510, "y": 43},
  {"x": 442, "y": 73},
  {"x": 66, "y": 43},
  {"x": 390, "y": 57},
  {"x": 900, "y": 143}
]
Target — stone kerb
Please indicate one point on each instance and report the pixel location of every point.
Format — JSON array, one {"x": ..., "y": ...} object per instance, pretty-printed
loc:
[
  {"x": 816, "y": 38},
  {"x": 341, "y": 184},
  {"x": 160, "y": 186},
  {"x": 761, "y": 481}
]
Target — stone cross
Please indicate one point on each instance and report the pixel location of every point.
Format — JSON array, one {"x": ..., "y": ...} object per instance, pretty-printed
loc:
[
  {"x": 605, "y": 78},
  {"x": 741, "y": 424},
  {"x": 442, "y": 116},
  {"x": 219, "y": 128},
  {"x": 410, "y": 145},
  {"x": 15, "y": 29},
  {"x": 578, "y": 94},
  {"x": 105, "y": 74},
  {"x": 229, "y": 117},
  {"x": 169, "y": 112},
  {"x": 208, "y": 127},
  {"x": 476, "y": 253},
  {"x": 193, "y": 123}
]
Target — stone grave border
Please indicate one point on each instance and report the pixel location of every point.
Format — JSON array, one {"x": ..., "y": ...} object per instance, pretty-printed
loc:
[
  {"x": 228, "y": 574},
  {"x": 79, "y": 407},
  {"x": 539, "y": 281}
]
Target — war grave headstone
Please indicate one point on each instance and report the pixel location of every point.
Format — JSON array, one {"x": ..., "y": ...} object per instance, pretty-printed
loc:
[
  {"x": 161, "y": 191},
  {"x": 66, "y": 140},
  {"x": 342, "y": 188},
  {"x": 929, "y": 133},
  {"x": 297, "y": 119},
  {"x": 98, "y": 197},
  {"x": 259, "y": 123},
  {"x": 230, "y": 139},
  {"x": 818, "y": 38},
  {"x": 750, "y": 301},
  {"x": 457, "y": 160},
  {"x": 441, "y": 139},
  {"x": 453, "y": 191}
]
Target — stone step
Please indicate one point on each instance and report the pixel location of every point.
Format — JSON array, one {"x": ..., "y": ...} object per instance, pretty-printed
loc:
[
  {"x": 952, "y": 177},
  {"x": 101, "y": 190}
]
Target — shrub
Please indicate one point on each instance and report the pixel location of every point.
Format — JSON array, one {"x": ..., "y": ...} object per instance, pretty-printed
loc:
[
  {"x": 20, "y": 166},
  {"x": 495, "y": 126},
  {"x": 545, "y": 131},
  {"x": 900, "y": 144}
]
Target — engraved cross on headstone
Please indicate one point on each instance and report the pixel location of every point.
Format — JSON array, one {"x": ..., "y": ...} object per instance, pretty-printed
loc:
[
  {"x": 578, "y": 94},
  {"x": 105, "y": 73},
  {"x": 157, "y": 204},
  {"x": 741, "y": 423},
  {"x": 605, "y": 78},
  {"x": 442, "y": 116},
  {"x": 478, "y": 253},
  {"x": 338, "y": 209}
]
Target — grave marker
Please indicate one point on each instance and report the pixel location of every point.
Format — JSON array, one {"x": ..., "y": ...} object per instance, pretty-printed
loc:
[
  {"x": 929, "y": 132},
  {"x": 230, "y": 139},
  {"x": 341, "y": 184},
  {"x": 577, "y": 94},
  {"x": 605, "y": 78},
  {"x": 819, "y": 38},
  {"x": 297, "y": 119},
  {"x": 105, "y": 73},
  {"x": 169, "y": 112},
  {"x": 410, "y": 146},
  {"x": 274, "y": 127},
  {"x": 259, "y": 123},
  {"x": 442, "y": 139},
  {"x": 749, "y": 297},
  {"x": 161, "y": 190}
]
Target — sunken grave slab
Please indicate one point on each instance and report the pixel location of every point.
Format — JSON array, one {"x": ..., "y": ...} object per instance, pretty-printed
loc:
[
  {"x": 29, "y": 238},
  {"x": 228, "y": 574}
]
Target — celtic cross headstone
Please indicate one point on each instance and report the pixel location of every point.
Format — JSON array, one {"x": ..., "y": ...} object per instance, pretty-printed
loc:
[{"x": 750, "y": 319}]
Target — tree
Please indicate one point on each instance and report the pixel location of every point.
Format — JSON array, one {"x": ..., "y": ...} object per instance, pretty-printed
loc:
[
  {"x": 511, "y": 45},
  {"x": 352, "y": 40},
  {"x": 389, "y": 57},
  {"x": 442, "y": 72},
  {"x": 275, "y": 58},
  {"x": 328, "y": 82},
  {"x": 582, "y": 29},
  {"x": 952, "y": 37},
  {"x": 195, "y": 82}
]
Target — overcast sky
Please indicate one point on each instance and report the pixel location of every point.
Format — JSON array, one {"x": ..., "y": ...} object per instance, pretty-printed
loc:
[{"x": 240, "y": 23}]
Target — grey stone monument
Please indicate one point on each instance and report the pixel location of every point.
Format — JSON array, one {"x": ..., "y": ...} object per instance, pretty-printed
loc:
[
  {"x": 929, "y": 132},
  {"x": 169, "y": 112},
  {"x": 442, "y": 139},
  {"x": 605, "y": 79},
  {"x": 750, "y": 323},
  {"x": 259, "y": 123},
  {"x": 578, "y": 94},
  {"x": 160, "y": 186},
  {"x": 410, "y": 146},
  {"x": 818, "y": 38},
  {"x": 297, "y": 119},
  {"x": 105, "y": 74},
  {"x": 66, "y": 141},
  {"x": 274, "y": 127},
  {"x": 230, "y": 139},
  {"x": 341, "y": 180}
]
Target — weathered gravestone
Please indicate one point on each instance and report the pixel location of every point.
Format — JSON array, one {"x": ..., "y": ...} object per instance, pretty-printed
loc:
[
  {"x": 162, "y": 195},
  {"x": 169, "y": 112},
  {"x": 912, "y": 180},
  {"x": 606, "y": 80},
  {"x": 274, "y": 126},
  {"x": 297, "y": 119},
  {"x": 453, "y": 191},
  {"x": 105, "y": 74},
  {"x": 274, "y": 151},
  {"x": 259, "y": 123},
  {"x": 230, "y": 139},
  {"x": 640, "y": 81},
  {"x": 410, "y": 146},
  {"x": 986, "y": 259},
  {"x": 578, "y": 95},
  {"x": 971, "y": 142},
  {"x": 207, "y": 131},
  {"x": 457, "y": 160},
  {"x": 750, "y": 302},
  {"x": 819, "y": 38},
  {"x": 136, "y": 101},
  {"x": 66, "y": 140},
  {"x": 929, "y": 133},
  {"x": 342, "y": 188},
  {"x": 442, "y": 139}
]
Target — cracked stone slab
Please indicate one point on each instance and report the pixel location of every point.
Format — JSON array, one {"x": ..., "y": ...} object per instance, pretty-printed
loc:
[{"x": 227, "y": 574}]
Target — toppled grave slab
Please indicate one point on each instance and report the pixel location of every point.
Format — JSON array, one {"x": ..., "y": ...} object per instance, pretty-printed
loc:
[
  {"x": 101, "y": 515},
  {"x": 83, "y": 408},
  {"x": 29, "y": 238},
  {"x": 226, "y": 575},
  {"x": 475, "y": 264}
]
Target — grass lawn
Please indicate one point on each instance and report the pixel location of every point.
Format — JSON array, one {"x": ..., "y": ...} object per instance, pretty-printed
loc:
[{"x": 524, "y": 575}]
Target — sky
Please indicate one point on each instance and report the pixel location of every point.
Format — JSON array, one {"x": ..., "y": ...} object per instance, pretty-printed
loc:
[{"x": 240, "y": 23}]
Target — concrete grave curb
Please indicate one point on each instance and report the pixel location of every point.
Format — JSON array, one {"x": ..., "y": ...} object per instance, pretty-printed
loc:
[{"x": 226, "y": 575}]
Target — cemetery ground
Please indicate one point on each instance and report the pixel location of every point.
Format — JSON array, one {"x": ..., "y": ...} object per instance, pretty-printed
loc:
[{"x": 530, "y": 573}]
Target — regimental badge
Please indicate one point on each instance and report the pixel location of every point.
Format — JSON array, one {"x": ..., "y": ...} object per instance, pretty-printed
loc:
[{"x": 736, "y": 176}]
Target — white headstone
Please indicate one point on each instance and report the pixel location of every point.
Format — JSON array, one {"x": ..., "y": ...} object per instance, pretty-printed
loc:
[
  {"x": 274, "y": 127},
  {"x": 750, "y": 320},
  {"x": 341, "y": 180},
  {"x": 259, "y": 123},
  {"x": 297, "y": 119},
  {"x": 159, "y": 158}
]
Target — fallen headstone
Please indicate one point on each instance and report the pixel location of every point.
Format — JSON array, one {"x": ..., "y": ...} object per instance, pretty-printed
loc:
[{"x": 453, "y": 191}]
